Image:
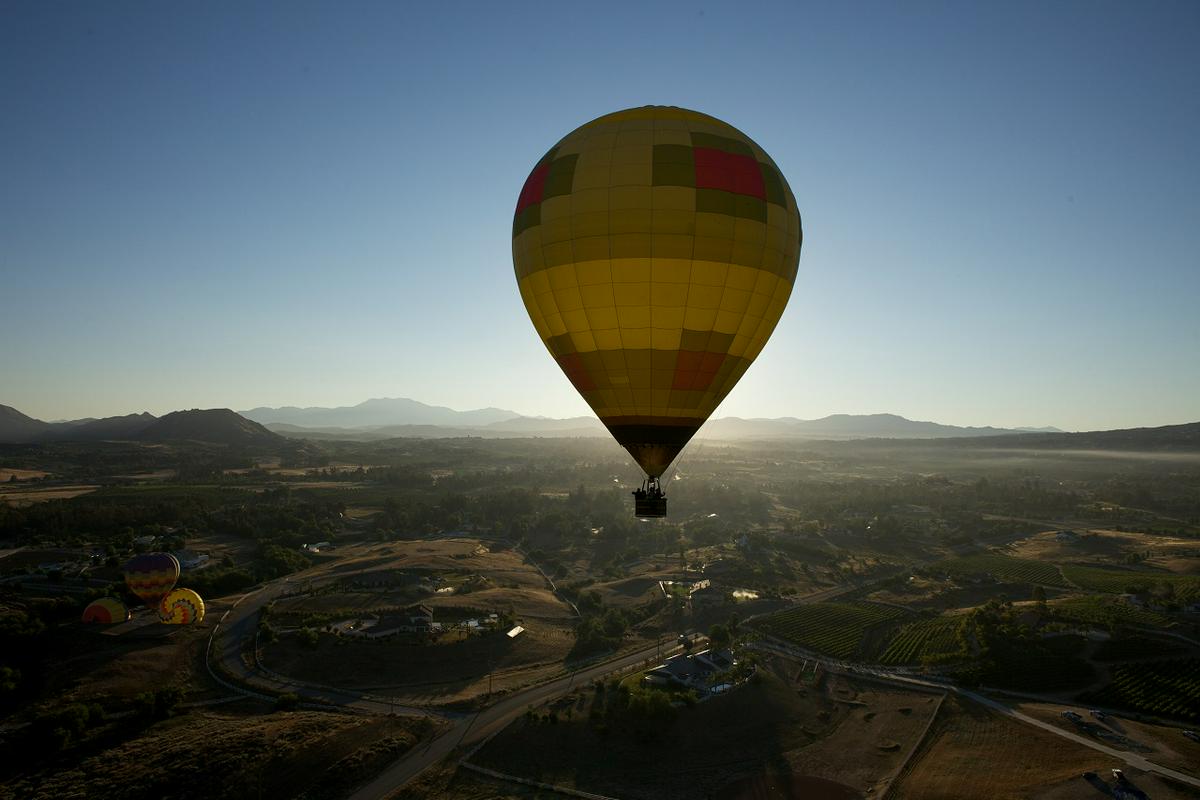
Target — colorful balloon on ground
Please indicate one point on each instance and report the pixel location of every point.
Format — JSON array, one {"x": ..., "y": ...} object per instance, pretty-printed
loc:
[
  {"x": 655, "y": 249},
  {"x": 151, "y": 575},
  {"x": 106, "y": 611},
  {"x": 181, "y": 607}
]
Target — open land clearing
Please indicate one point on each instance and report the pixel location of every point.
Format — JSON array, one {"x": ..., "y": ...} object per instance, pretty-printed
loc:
[
  {"x": 220, "y": 755},
  {"x": 973, "y": 752},
  {"x": 840, "y": 737},
  {"x": 1162, "y": 744}
]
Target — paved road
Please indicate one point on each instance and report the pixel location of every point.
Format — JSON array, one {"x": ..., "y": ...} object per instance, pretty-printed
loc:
[
  {"x": 470, "y": 732},
  {"x": 238, "y": 626}
]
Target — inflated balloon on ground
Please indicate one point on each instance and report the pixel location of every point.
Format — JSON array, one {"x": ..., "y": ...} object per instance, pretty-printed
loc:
[
  {"x": 106, "y": 611},
  {"x": 151, "y": 575},
  {"x": 181, "y": 607}
]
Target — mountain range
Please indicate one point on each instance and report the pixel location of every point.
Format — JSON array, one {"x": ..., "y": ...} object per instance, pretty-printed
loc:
[{"x": 400, "y": 418}]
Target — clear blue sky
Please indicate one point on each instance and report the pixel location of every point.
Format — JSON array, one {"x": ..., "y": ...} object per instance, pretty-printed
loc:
[{"x": 235, "y": 205}]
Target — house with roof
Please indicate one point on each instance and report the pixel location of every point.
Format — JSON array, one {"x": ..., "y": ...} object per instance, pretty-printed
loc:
[
  {"x": 707, "y": 596},
  {"x": 691, "y": 670}
]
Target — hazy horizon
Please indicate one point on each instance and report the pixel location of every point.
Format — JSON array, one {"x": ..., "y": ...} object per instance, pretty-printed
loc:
[
  {"x": 311, "y": 205},
  {"x": 586, "y": 414}
]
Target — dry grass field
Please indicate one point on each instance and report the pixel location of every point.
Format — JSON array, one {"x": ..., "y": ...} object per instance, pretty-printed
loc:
[
  {"x": 971, "y": 749},
  {"x": 218, "y": 756},
  {"x": 1164, "y": 744},
  {"x": 502, "y": 567},
  {"x": 16, "y": 495},
  {"x": 973, "y": 752},
  {"x": 8, "y": 473},
  {"x": 1108, "y": 547}
]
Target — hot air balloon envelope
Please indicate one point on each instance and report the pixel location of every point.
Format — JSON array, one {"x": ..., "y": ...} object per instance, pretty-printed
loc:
[
  {"x": 655, "y": 249},
  {"x": 151, "y": 575},
  {"x": 181, "y": 607},
  {"x": 106, "y": 611}
]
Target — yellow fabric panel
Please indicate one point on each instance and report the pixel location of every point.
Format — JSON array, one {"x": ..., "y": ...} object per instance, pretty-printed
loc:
[
  {"x": 670, "y": 318},
  {"x": 665, "y": 338},
  {"x": 699, "y": 319},
  {"x": 671, "y": 270},
  {"x": 668, "y": 294},
  {"x": 607, "y": 338},
  {"x": 704, "y": 297},
  {"x": 594, "y": 273},
  {"x": 583, "y": 340},
  {"x": 635, "y": 338}
]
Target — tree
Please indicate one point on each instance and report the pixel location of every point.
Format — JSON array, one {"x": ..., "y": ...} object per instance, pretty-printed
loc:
[
  {"x": 719, "y": 636},
  {"x": 1039, "y": 595}
]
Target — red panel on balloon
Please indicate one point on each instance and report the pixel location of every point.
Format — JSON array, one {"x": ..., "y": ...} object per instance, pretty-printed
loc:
[
  {"x": 572, "y": 364},
  {"x": 535, "y": 184},
  {"x": 716, "y": 169},
  {"x": 696, "y": 370}
]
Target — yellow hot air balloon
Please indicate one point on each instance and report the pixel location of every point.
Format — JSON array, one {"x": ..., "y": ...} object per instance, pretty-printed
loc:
[
  {"x": 655, "y": 249},
  {"x": 181, "y": 607},
  {"x": 106, "y": 611}
]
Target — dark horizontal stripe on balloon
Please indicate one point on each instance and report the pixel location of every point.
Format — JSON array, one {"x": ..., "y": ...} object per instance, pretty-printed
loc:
[{"x": 656, "y": 430}]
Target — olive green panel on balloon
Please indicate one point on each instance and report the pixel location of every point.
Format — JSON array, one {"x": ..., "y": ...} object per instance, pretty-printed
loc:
[{"x": 655, "y": 250}]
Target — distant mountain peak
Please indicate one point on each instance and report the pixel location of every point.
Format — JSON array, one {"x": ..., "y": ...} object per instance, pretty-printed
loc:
[{"x": 378, "y": 412}]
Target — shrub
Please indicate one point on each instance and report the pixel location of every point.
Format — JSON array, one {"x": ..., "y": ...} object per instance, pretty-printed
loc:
[{"x": 287, "y": 702}]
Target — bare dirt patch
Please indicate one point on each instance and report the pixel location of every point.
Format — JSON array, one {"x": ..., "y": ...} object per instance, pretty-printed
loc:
[
  {"x": 8, "y": 473},
  {"x": 28, "y": 496}
]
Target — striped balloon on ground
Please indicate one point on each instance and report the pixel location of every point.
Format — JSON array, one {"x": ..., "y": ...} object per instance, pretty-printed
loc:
[
  {"x": 655, "y": 249},
  {"x": 105, "y": 611},
  {"x": 151, "y": 575},
  {"x": 181, "y": 607}
]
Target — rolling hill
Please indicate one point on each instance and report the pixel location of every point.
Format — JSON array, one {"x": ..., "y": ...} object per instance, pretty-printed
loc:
[{"x": 216, "y": 426}]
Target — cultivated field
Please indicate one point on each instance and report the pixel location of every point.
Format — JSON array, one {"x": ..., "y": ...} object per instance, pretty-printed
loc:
[{"x": 838, "y": 629}]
